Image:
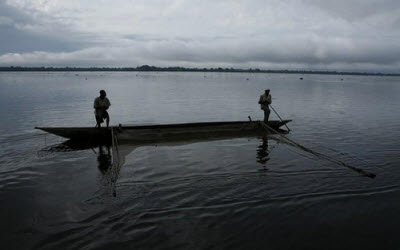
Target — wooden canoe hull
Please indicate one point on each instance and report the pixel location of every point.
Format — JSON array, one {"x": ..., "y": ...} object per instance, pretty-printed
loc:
[{"x": 165, "y": 132}]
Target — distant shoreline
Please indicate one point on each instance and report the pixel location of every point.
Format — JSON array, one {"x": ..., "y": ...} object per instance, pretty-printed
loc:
[{"x": 146, "y": 68}]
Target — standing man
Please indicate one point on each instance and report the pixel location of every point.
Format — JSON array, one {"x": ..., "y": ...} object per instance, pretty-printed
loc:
[
  {"x": 265, "y": 101},
  {"x": 101, "y": 104}
]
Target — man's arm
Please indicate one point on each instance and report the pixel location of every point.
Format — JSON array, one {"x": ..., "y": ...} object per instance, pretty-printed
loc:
[
  {"x": 108, "y": 104},
  {"x": 260, "y": 101},
  {"x": 269, "y": 99},
  {"x": 96, "y": 104}
]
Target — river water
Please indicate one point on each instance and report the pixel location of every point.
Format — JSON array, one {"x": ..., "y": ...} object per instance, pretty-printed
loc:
[{"x": 238, "y": 193}]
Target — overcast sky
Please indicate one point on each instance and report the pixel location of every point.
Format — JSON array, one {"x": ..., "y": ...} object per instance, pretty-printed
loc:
[{"x": 362, "y": 35}]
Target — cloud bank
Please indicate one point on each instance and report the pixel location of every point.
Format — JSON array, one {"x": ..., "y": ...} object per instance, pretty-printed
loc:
[{"x": 269, "y": 34}]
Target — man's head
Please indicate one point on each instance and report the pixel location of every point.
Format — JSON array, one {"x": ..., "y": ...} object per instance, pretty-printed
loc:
[
  {"x": 267, "y": 91},
  {"x": 102, "y": 94}
]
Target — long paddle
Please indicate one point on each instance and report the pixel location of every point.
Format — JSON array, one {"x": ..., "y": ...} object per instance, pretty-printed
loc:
[{"x": 279, "y": 116}]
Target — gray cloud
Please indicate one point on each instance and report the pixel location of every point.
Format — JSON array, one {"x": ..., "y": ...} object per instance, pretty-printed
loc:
[
  {"x": 307, "y": 34},
  {"x": 19, "y": 35},
  {"x": 356, "y": 9}
]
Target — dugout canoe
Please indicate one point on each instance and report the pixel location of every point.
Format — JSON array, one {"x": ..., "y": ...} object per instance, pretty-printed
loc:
[{"x": 164, "y": 132}]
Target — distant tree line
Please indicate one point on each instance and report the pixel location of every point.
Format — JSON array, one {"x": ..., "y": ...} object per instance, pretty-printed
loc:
[{"x": 182, "y": 69}]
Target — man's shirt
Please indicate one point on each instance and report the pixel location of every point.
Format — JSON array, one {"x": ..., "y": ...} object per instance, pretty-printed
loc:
[
  {"x": 101, "y": 103},
  {"x": 265, "y": 101}
]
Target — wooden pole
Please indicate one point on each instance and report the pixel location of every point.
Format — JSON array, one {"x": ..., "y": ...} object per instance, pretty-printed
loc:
[{"x": 279, "y": 116}]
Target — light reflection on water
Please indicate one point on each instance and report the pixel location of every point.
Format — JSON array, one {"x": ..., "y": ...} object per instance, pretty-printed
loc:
[{"x": 232, "y": 193}]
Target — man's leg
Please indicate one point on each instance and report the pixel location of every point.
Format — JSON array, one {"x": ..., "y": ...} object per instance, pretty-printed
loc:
[
  {"x": 98, "y": 122},
  {"x": 266, "y": 115},
  {"x": 107, "y": 117}
]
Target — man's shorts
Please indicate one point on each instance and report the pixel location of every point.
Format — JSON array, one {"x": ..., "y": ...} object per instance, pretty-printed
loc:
[{"x": 101, "y": 116}]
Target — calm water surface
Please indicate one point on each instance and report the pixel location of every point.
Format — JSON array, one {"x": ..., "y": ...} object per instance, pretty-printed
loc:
[{"x": 239, "y": 193}]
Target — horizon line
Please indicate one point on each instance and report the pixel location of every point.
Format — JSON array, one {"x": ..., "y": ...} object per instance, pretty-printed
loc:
[{"x": 186, "y": 69}]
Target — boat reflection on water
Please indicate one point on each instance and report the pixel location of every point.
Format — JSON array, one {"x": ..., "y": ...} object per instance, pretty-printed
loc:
[
  {"x": 111, "y": 158},
  {"x": 103, "y": 153}
]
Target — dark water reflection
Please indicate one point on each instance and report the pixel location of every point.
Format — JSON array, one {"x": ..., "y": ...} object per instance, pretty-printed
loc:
[
  {"x": 102, "y": 151},
  {"x": 105, "y": 155},
  {"x": 263, "y": 152},
  {"x": 104, "y": 158},
  {"x": 205, "y": 194}
]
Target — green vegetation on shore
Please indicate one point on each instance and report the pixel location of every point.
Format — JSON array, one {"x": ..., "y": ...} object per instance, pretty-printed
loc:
[{"x": 182, "y": 69}]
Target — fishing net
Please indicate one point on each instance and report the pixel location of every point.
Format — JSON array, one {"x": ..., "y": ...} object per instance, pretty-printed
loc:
[
  {"x": 319, "y": 155},
  {"x": 115, "y": 161}
]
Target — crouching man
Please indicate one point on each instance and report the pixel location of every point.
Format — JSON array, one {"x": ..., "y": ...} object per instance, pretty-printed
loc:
[{"x": 101, "y": 104}]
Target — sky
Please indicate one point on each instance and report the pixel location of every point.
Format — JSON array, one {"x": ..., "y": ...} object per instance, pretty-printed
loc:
[{"x": 343, "y": 35}]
